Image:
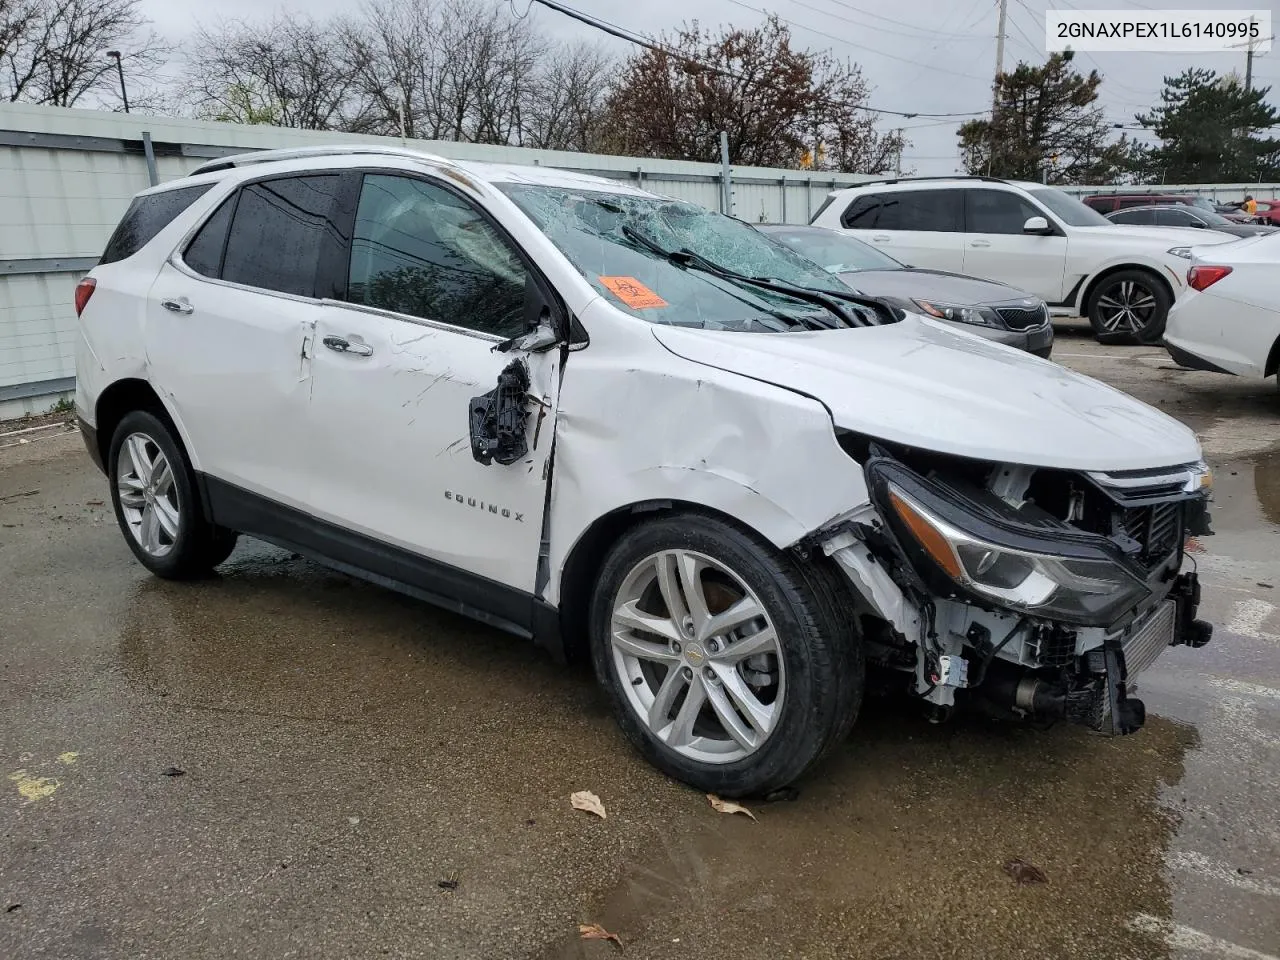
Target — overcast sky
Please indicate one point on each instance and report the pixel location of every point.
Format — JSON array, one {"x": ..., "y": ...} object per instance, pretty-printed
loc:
[{"x": 928, "y": 56}]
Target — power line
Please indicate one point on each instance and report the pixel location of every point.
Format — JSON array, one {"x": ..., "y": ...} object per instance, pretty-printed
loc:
[
  {"x": 917, "y": 31},
  {"x": 879, "y": 53},
  {"x": 952, "y": 37},
  {"x": 640, "y": 40}
]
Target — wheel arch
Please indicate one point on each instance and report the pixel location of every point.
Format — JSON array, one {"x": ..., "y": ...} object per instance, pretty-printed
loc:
[
  {"x": 585, "y": 557},
  {"x": 1273, "y": 360},
  {"x": 120, "y": 399}
]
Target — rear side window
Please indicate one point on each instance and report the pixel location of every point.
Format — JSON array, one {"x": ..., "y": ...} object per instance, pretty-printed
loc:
[
  {"x": 935, "y": 211},
  {"x": 1133, "y": 202},
  {"x": 204, "y": 252},
  {"x": 278, "y": 232},
  {"x": 1134, "y": 216},
  {"x": 146, "y": 217},
  {"x": 1101, "y": 204}
]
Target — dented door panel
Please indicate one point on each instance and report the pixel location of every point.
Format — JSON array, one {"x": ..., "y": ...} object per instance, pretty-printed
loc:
[{"x": 392, "y": 448}]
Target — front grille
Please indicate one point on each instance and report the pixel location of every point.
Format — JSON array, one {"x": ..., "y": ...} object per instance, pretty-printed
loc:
[
  {"x": 1155, "y": 528},
  {"x": 1020, "y": 318}
]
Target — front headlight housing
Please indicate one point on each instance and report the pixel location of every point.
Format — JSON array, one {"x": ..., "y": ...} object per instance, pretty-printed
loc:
[
  {"x": 982, "y": 316},
  {"x": 1079, "y": 589}
]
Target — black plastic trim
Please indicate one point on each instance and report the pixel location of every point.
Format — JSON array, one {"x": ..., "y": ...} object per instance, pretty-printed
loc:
[
  {"x": 90, "y": 436},
  {"x": 1070, "y": 299},
  {"x": 361, "y": 556},
  {"x": 1184, "y": 358}
]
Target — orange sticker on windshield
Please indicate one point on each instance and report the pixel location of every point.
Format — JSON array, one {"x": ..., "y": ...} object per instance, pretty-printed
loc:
[{"x": 633, "y": 293}]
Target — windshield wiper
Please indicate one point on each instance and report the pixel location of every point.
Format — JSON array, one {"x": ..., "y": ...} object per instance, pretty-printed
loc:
[{"x": 688, "y": 258}]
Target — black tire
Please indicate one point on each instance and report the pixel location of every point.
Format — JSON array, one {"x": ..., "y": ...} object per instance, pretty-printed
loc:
[
  {"x": 198, "y": 545},
  {"x": 821, "y": 651},
  {"x": 1143, "y": 284}
]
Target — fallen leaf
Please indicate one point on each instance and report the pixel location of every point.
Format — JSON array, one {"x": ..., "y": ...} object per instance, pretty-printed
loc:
[
  {"x": 1025, "y": 873},
  {"x": 12, "y": 907},
  {"x": 588, "y": 801},
  {"x": 593, "y": 931},
  {"x": 728, "y": 806},
  {"x": 449, "y": 883},
  {"x": 172, "y": 772}
]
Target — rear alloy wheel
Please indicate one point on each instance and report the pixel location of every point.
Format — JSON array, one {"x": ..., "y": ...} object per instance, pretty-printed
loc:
[
  {"x": 730, "y": 666},
  {"x": 154, "y": 494},
  {"x": 1129, "y": 307}
]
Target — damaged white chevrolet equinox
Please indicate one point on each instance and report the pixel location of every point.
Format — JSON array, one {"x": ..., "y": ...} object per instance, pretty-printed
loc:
[{"x": 637, "y": 430}]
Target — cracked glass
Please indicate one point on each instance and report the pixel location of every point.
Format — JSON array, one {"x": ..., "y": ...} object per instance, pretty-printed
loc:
[{"x": 588, "y": 227}]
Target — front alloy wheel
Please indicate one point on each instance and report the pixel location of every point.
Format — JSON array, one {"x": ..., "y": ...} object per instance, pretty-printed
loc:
[
  {"x": 148, "y": 496},
  {"x": 730, "y": 665},
  {"x": 698, "y": 656},
  {"x": 1130, "y": 306}
]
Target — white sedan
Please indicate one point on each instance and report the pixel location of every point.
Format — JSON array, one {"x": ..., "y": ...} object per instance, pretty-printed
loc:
[{"x": 1228, "y": 318}]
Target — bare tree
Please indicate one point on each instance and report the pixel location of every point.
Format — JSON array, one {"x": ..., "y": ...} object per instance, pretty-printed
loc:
[
  {"x": 291, "y": 71},
  {"x": 780, "y": 106},
  {"x": 567, "y": 101},
  {"x": 396, "y": 47},
  {"x": 53, "y": 51}
]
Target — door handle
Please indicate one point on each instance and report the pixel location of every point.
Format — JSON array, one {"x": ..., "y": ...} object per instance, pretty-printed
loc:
[
  {"x": 353, "y": 347},
  {"x": 181, "y": 305},
  {"x": 979, "y": 243},
  {"x": 879, "y": 238}
]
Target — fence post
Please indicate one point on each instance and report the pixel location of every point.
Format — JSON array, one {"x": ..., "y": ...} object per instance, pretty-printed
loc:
[
  {"x": 784, "y": 199},
  {"x": 726, "y": 182},
  {"x": 149, "y": 152}
]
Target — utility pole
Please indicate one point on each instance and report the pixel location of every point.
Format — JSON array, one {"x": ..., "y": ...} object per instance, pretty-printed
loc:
[
  {"x": 1248, "y": 57},
  {"x": 995, "y": 86},
  {"x": 898, "y": 165}
]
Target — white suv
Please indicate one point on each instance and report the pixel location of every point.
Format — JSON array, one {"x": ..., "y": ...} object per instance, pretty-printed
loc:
[
  {"x": 1031, "y": 236},
  {"x": 521, "y": 394}
]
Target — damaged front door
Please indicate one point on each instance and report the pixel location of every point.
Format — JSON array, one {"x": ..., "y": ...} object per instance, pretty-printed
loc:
[{"x": 427, "y": 437}]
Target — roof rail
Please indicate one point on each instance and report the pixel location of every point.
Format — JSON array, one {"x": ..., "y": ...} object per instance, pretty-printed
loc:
[
  {"x": 863, "y": 183},
  {"x": 300, "y": 153}
]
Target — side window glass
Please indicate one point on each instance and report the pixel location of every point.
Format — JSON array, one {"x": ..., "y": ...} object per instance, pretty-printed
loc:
[
  {"x": 1174, "y": 217},
  {"x": 146, "y": 217},
  {"x": 421, "y": 250},
  {"x": 204, "y": 252},
  {"x": 278, "y": 232},
  {"x": 1123, "y": 217},
  {"x": 862, "y": 212},
  {"x": 998, "y": 211}
]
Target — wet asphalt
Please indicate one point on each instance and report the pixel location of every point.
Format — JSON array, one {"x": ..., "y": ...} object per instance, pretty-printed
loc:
[{"x": 284, "y": 762}]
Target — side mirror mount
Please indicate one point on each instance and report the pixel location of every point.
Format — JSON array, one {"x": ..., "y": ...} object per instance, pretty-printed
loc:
[
  {"x": 542, "y": 337},
  {"x": 1037, "y": 225}
]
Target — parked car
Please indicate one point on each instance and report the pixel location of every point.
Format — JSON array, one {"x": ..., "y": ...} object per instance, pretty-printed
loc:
[
  {"x": 1228, "y": 318},
  {"x": 1172, "y": 216},
  {"x": 993, "y": 310},
  {"x": 1030, "y": 236},
  {"x": 1106, "y": 203},
  {"x": 570, "y": 408}
]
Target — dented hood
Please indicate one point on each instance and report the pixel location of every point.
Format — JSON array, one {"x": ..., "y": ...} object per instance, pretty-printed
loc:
[{"x": 919, "y": 383}]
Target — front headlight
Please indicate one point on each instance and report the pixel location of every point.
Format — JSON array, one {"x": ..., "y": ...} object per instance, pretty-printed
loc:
[
  {"x": 983, "y": 316},
  {"x": 1083, "y": 589},
  {"x": 1183, "y": 252}
]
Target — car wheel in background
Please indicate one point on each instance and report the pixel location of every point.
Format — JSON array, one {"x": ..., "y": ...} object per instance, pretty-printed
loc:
[
  {"x": 154, "y": 495},
  {"x": 1130, "y": 306},
  {"x": 729, "y": 665}
]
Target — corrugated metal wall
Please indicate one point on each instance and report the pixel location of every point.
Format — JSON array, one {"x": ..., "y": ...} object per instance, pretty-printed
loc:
[{"x": 66, "y": 176}]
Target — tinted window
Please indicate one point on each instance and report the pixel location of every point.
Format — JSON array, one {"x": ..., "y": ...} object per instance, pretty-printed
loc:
[
  {"x": 420, "y": 249},
  {"x": 1175, "y": 217},
  {"x": 1134, "y": 216},
  {"x": 146, "y": 217},
  {"x": 1103, "y": 204},
  {"x": 998, "y": 211},
  {"x": 938, "y": 211},
  {"x": 1133, "y": 202},
  {"x": 278, "y": 232},
  {"x": 204, "y": 252}
]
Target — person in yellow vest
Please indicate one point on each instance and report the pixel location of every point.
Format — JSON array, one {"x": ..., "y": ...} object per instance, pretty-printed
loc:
[{"x": 1250, "y": 206}]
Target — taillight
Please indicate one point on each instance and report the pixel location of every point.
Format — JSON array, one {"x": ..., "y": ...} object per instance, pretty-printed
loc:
[
  {"x": 1199, "y": 278},
  {"x": 84, "y": 290}
]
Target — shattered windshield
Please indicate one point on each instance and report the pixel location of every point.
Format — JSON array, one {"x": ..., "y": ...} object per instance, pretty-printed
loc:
[{"x": 588, "y": 227}]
